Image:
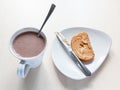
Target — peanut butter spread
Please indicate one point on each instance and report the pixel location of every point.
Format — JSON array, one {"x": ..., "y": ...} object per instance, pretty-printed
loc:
[{"x": 82, "y": 47}]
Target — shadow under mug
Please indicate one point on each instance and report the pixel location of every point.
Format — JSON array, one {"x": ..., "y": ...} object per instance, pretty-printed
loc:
[{"x": 26, "y": 62}]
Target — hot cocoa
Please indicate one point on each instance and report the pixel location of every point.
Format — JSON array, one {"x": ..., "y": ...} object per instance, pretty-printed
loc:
[{"x": 28, "y": 44}]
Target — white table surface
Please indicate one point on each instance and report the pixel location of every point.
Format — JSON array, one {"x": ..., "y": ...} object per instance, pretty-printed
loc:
[{"x": 103, "y": 15}]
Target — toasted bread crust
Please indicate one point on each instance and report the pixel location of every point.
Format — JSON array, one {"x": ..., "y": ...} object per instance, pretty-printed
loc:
[{"x": 81, "y": 46}]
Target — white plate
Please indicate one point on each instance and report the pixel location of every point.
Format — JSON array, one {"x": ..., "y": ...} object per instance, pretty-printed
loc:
[{"x": 101, "y": 43}]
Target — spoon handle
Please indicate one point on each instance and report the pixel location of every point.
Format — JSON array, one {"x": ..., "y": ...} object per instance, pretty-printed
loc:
[{"x": 47, "y": 17}]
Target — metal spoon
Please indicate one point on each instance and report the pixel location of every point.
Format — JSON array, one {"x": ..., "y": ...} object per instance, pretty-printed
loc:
[{"x": 47, "y": 17}]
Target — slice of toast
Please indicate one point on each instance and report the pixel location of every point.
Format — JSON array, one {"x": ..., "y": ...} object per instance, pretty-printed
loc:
[{"x": 81, "y": 46}]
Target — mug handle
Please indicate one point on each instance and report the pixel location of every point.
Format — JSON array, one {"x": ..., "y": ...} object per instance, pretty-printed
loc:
[{"x": 23, "y": 69}]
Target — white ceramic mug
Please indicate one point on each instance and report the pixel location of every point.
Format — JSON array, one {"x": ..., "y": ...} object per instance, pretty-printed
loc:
[{"x": 26, "y": 62}]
